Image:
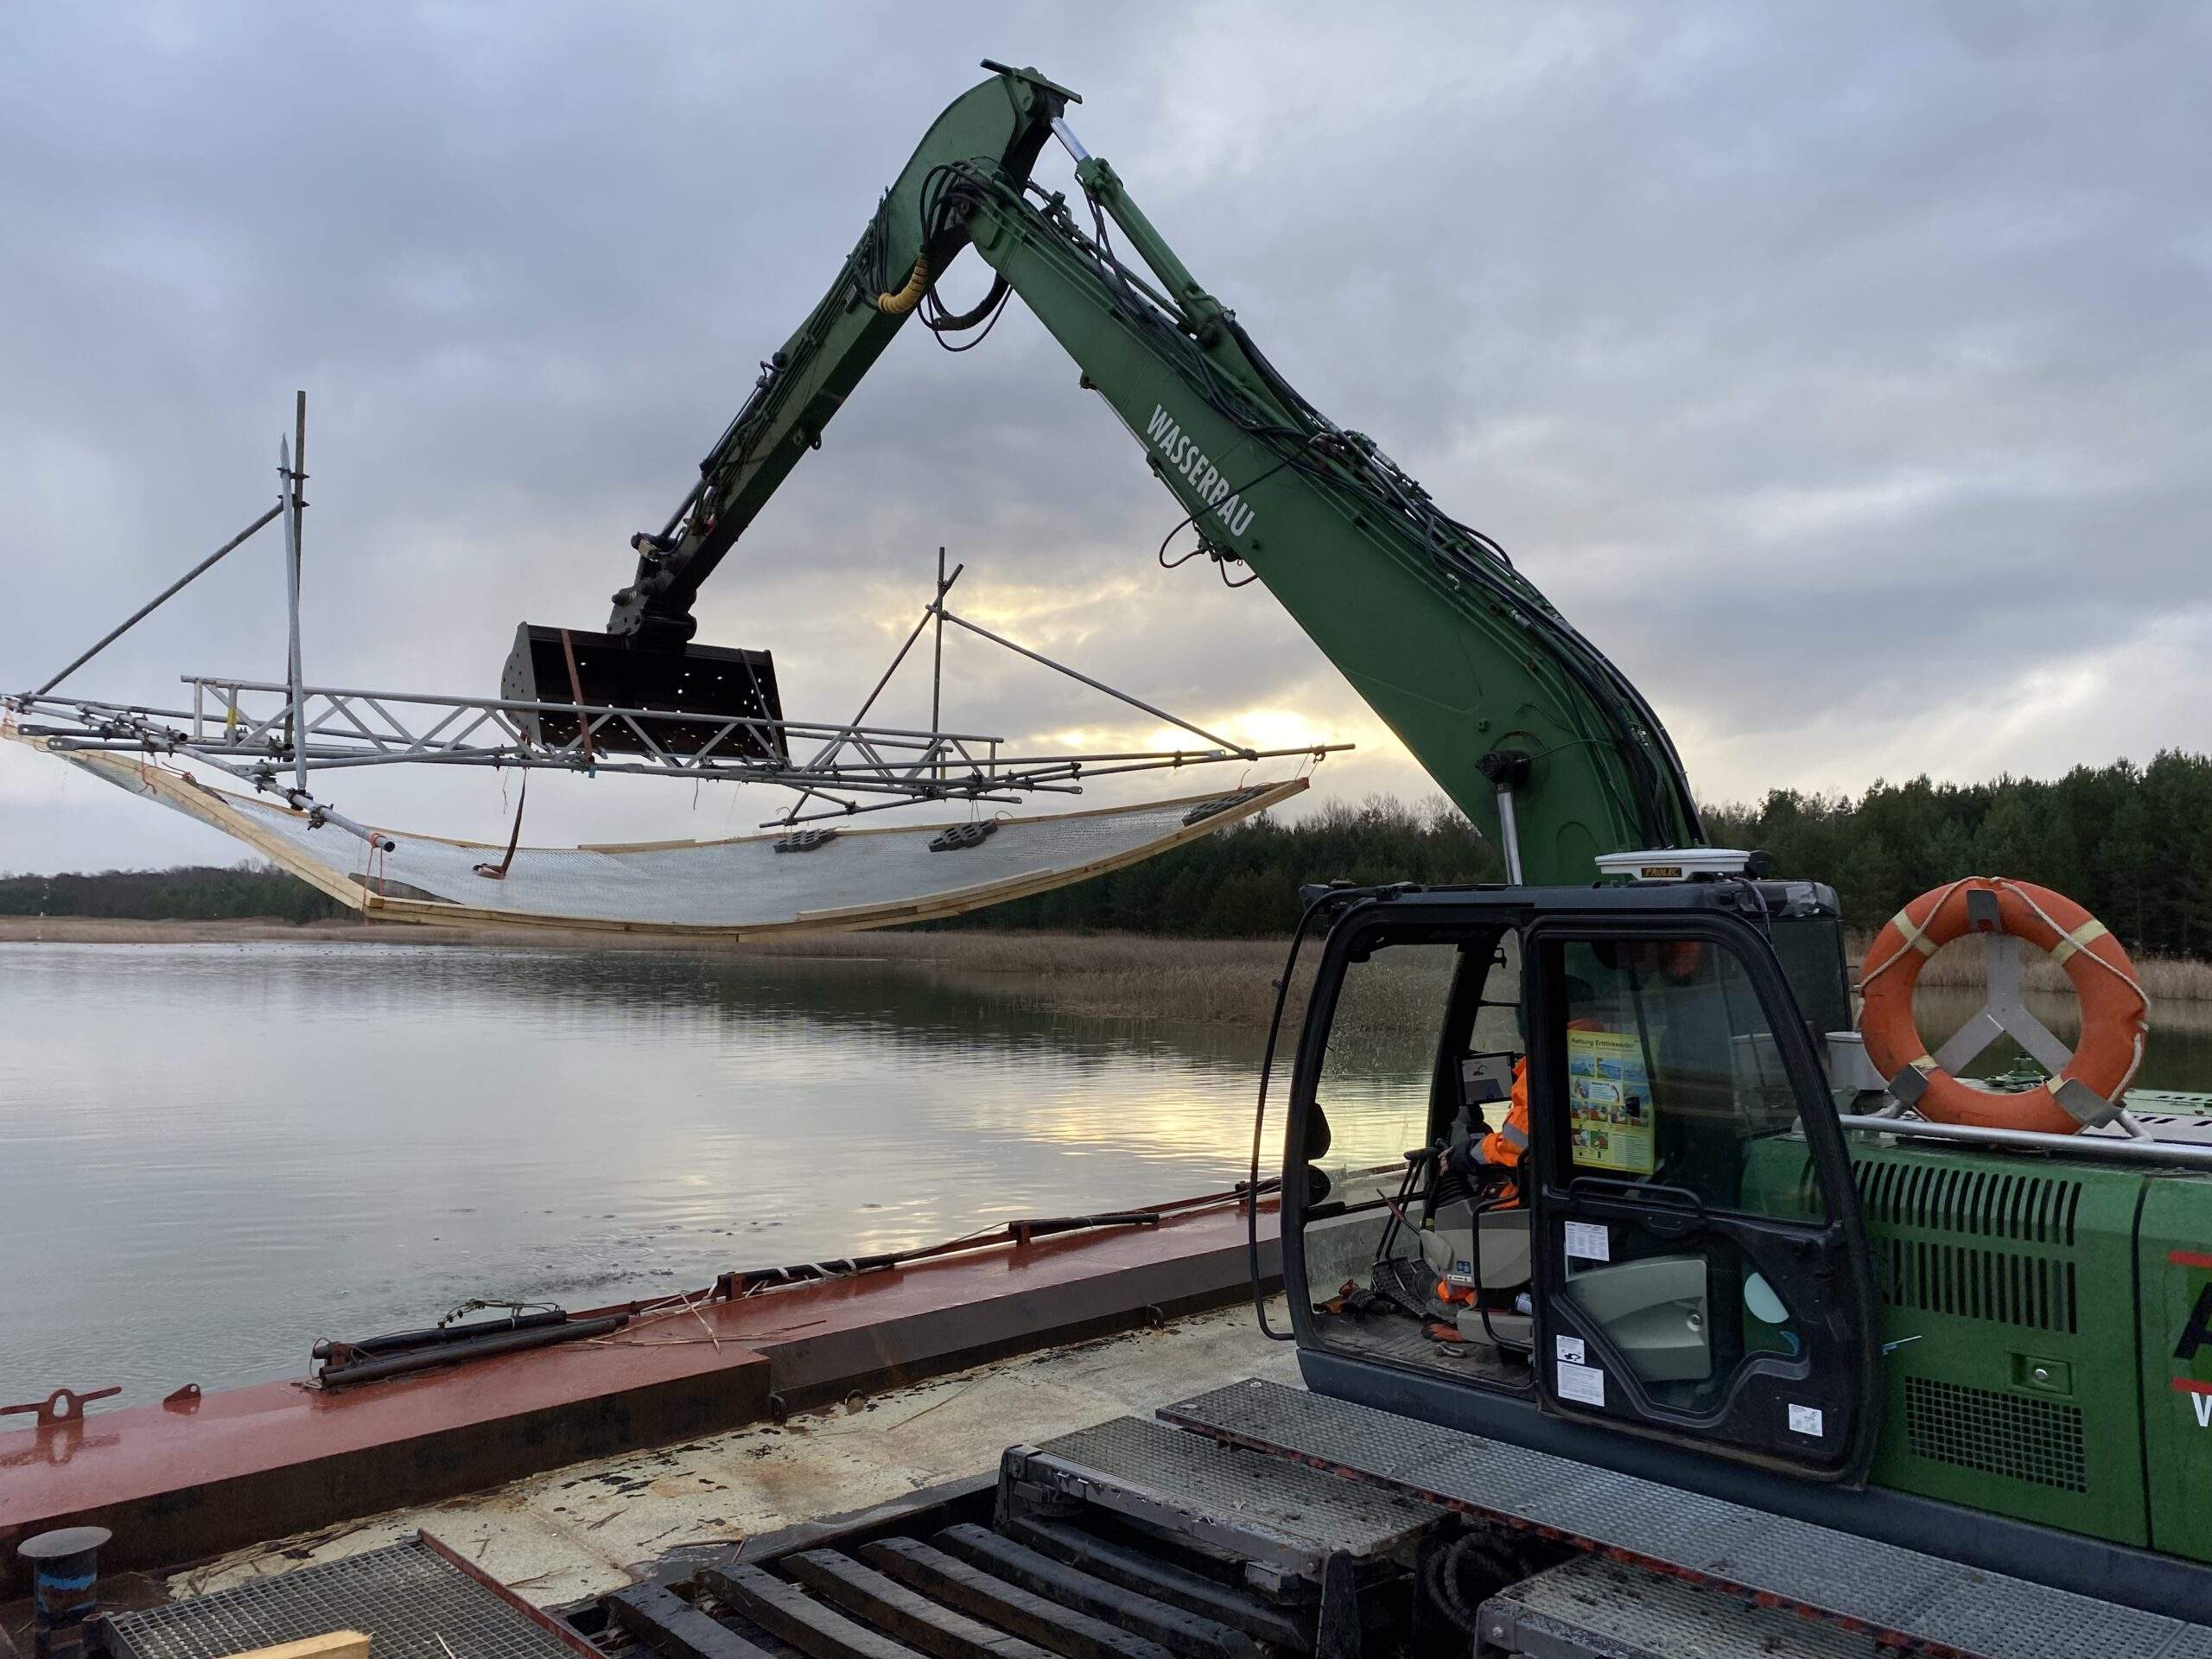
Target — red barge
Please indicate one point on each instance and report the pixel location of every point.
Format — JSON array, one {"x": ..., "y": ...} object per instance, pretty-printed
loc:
[{"x": 197, "y": 1474}]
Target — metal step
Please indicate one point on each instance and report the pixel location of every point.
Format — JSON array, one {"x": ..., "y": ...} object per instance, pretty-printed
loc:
[
  {"x": 907, "y": 1614},
  {"x": 1174, "y": 1628},
  {"x": 1594, "y": 1608},
  {"x": 1286, "y": 1521},
  {"x": 1908, "y": 1598},
  {"x": 789, "y": 1614},
  {"x": 1168, "y": 1581},
  {"x": 668, "y": 1625}
]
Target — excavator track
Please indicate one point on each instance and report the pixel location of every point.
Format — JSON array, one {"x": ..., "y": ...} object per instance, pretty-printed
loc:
[
  {"x": 1906, "y": 1599},
  {"x": 1260, "y": 1520}
]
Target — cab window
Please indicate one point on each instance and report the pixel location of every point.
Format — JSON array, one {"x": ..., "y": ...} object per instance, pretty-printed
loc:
[
  {"x": 1670, "y": 1108},
  {"x": 1671, "y": 1079},
  {"x": 1407, "y": 1259}
]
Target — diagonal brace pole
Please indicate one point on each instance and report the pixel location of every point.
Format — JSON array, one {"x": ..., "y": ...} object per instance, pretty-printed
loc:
[
  {"x": 161, "y": 598},
  {"x": 1096, "y": 685},
  {"x": 291, "y": 467}
]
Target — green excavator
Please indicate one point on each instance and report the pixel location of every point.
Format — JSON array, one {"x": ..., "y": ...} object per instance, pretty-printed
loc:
[{"x": 1733, "y": 1275}]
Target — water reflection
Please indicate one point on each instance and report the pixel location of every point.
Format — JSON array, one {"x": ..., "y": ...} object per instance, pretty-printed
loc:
[
  {"x": 209, "y": 1156},
  {"x": 2177, "y": 1056}
]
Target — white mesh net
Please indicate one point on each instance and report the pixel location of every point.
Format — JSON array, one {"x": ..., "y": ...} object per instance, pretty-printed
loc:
[{"x": 856, "y": 879}]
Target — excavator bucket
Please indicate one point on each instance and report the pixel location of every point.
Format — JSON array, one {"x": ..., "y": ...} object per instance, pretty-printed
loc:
[{"x": 568, "y": 665}]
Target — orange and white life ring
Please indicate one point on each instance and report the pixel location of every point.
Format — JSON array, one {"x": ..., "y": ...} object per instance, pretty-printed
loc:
[{"x": 2115, "y": 1014}]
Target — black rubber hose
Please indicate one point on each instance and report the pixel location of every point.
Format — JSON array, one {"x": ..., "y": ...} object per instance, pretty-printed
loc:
[
  {"x": 439, "y": 1336},
  {"x": 506, "y": 1342},
  {"x": 1475, "y": 1558},
  {"x": 951, "y": 325}
]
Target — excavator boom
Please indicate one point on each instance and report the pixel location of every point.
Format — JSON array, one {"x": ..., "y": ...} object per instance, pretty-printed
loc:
[{"x": 1519, "y": 719}]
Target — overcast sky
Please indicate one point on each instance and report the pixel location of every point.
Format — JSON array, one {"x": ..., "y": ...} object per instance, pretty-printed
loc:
[{"x": 1846, "y": 372}]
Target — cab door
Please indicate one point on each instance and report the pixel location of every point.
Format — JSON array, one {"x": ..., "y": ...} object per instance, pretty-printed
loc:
[{"x": 1700, "y": 1270}]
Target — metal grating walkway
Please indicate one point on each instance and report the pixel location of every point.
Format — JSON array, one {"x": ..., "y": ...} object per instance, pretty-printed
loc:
[
  {"x": 1923, "y": 1601},
  {"x": 413, "y": 1602}
]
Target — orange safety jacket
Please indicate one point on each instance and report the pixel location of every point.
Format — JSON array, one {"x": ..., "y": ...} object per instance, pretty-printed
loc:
[
  {"x": 1500, "y": 1148},
  {"x": 1504, "y": 1146}
]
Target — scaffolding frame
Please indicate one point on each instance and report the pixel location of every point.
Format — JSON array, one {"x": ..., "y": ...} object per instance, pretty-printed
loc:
[{"x": 274, "y": 736}]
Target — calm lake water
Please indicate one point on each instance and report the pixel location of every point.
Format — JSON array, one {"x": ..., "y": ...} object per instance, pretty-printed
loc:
[{"x": 211, "y": 1156}]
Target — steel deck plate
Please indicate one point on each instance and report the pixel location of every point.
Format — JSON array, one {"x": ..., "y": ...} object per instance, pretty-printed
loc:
[
  {"x": 1919, "y": 1600},
  {"x": 413, "y": 1602},
  {"x": 1241, "y": 1492},
  {"x": 1596, "y": 1605}
]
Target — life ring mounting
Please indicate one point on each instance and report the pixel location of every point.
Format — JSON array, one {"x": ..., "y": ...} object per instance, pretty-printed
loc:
[{"x": 2088, "y": 1082}]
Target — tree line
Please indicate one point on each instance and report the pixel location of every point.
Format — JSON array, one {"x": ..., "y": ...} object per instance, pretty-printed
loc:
[
  {"x": 2133, "y": 844},
  {"x": 192, "y": 892}
]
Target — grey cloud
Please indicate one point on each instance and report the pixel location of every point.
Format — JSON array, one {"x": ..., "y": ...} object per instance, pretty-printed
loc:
[{"x": 1830, "y": 367}]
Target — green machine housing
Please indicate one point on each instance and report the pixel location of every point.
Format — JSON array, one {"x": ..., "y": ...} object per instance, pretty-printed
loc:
[
  {"x": 2017, "y": 1336},
  {"x": 2047, "y": 1326}
]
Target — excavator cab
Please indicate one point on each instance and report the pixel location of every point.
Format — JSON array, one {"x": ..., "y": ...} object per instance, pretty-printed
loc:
[{"x": 1678, "y": 1254}]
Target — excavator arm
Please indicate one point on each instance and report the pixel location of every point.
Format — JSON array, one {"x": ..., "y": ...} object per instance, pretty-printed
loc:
[
  {"x": 1520, "y": 720},
  {"x": 1000, "y": 125}
]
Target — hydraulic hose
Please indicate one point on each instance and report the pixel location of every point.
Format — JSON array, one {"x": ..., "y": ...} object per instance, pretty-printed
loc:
[
  {"x": 918, "y": 284},
  {"x": 975, "y": 314}
]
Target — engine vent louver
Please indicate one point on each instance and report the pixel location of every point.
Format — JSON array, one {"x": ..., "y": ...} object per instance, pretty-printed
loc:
[
  {"x": 1906, "y": 1200},
  {"x": 2033, "y": 1291},
  {"x": 1945, "y": 1197},
  {"x": 2035, "y": 1440}
]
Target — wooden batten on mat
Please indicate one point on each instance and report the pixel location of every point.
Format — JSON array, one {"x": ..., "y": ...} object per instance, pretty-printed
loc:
[{"x": 337, "y": 1644}]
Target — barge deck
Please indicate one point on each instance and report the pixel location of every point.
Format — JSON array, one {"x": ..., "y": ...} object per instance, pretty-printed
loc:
[{"x": 196, "y": 1475}]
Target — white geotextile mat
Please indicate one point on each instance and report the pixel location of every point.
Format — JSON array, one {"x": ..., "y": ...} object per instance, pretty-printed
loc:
[{"x": 860, "y": 878}]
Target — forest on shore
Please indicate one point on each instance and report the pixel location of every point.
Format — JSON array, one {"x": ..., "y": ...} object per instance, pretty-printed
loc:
[{"x": 2133, "y": 843}]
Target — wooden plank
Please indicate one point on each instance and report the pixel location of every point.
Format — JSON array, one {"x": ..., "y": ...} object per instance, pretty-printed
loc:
[
  {"x": 907, "y": 1614},
  {"x": 671, "y": 1625},
  {"x": 335, "y": 1644},
  {"x": 788, "y": 1613},
  {"x": 942, "y": 1578}
]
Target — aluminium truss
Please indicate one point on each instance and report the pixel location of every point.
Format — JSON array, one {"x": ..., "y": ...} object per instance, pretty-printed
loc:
[{"x": 274, "y": 735}]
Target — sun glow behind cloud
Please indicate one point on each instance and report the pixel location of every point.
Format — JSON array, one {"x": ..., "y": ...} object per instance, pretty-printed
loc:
[{"x": 1842, "y": 376}]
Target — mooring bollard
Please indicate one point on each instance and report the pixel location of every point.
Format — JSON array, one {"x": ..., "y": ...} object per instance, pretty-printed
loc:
[{"x": 64, "y": 1572}]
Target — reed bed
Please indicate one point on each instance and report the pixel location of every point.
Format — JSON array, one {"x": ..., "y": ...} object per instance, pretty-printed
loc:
[
  {"x": 1961, "y": 966},
  {"x": 1096, "y": 976},
  {"x": 1104, "y": 975}
]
